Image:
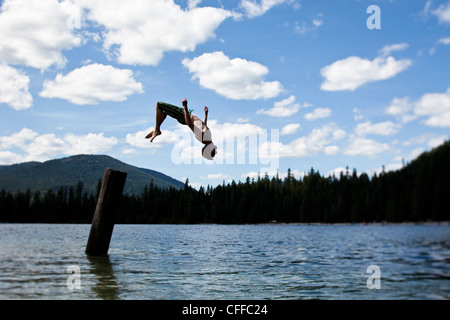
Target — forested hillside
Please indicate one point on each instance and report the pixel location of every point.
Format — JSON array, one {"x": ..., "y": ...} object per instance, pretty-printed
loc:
[{"x": 67, "y": 172}]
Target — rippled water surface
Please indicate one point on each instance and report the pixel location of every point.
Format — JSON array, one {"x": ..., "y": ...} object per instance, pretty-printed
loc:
[{"x": 227, "y": 262}]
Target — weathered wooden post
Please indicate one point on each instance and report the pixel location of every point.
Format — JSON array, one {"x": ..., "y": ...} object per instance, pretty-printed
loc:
[{"x": 105, "y": 212}]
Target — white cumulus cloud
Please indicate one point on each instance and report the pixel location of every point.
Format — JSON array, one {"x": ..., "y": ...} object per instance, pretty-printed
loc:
[
  {"x": 319, "y": 141},
  {"x": 222, "y": 132},
  {"x": 254, "y": 8},
  {"x": 90, "y": 143},
  {"x": 353, "y": 72},
  {"x": 387, "y": 50},
  {"x": 445, "y": 41},
  {"x": 443, "y": 12},
  {"x": 435, "y": 107},
  {"x": 236, "y": 79},
  {"x": 91, "y": 84},
  {"x": 139, "y": 32},
  {"x": 138, "y": 139},
  {"x": 14, "y": 88},
  {"x": 8, "y": 157},
  {"x": 290, "y": 129},
  {"x": 402, "y": 109},
  {"x": 318, "y": 113},
  {"x": 360, "y": 146},
  {"x": 28, "y": 145},
  {"x": 283, "y": 108},
  {"x": 35, "y": 32},
  {"x": 19, "y": 139},
  {"x": 386, "y": 128}
]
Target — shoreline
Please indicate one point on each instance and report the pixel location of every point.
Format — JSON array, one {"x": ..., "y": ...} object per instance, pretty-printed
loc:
[{"x": 384, "y": 223}]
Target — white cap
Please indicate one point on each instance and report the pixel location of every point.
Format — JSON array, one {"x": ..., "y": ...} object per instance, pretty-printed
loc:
[{"x": 207, "y": 151}]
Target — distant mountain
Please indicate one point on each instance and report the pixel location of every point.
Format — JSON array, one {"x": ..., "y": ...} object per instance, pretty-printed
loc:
[{"x": 88, "y": 169}]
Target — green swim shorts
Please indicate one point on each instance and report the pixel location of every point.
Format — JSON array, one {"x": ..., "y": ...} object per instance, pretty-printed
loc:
[{"x": 173, "y": 111}]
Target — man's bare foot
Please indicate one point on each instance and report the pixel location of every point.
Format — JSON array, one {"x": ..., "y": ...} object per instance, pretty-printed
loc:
[{"x": 153, "y": 135}]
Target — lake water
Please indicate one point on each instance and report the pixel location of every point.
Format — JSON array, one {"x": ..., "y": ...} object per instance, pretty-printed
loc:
[{"x": 233, "y": 262}]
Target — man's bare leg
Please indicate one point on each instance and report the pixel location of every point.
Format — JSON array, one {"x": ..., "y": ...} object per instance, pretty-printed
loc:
[{"x": 160, "y": 117}]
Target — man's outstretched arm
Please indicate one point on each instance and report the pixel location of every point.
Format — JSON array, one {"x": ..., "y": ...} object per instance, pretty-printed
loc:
[
  {"x": 187, "y": 117},
  {"x": 206, "y": 116}
]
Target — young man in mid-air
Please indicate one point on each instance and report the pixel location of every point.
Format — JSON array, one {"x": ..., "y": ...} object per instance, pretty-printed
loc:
[{"x": 183, "y": 116}]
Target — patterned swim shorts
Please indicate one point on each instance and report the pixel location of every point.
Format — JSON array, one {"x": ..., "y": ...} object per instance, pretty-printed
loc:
[{"x": 173, "y": 111}]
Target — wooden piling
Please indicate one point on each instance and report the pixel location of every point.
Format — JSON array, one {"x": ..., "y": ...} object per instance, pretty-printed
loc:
[{"x": 105, "y": 212}]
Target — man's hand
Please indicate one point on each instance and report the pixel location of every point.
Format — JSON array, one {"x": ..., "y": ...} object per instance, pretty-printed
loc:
[
  {"x": 184, "y": 102},
  {"x": 206, "y": 110}
]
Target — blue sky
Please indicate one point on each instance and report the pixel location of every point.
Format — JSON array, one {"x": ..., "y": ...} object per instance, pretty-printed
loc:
[{"x": 288, "y": 83}]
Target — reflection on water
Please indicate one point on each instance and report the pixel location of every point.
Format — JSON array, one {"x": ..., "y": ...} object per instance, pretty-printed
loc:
[
  {"x": 227, "y": 262},
  {"x": 106, "y": 287}
]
